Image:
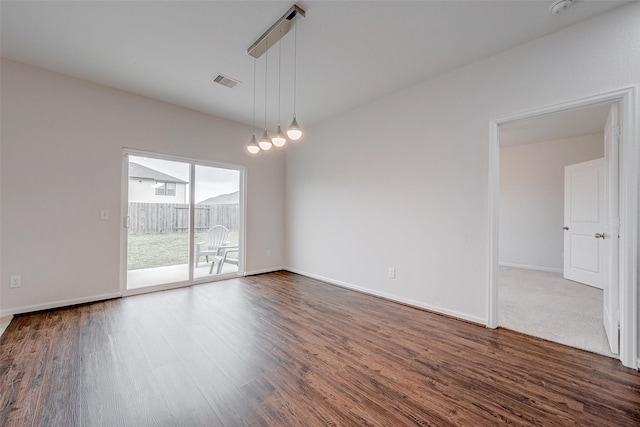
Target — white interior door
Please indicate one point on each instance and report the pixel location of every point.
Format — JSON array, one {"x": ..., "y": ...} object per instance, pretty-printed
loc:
[
  {"x": 585, "y": 241},
  {"x": 611, "y": 297}
]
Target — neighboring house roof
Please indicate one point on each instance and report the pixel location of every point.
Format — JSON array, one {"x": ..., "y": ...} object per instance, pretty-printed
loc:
[
  {"x": 223, "y": 199},
  {"x": 142, "y": 172}
]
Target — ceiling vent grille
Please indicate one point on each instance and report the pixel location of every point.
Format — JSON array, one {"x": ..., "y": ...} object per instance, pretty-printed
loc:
[{"x": 226, "y": 81}]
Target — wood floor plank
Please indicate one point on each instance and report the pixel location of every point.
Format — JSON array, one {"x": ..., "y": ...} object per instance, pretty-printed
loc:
[
  {"x": 14, "y": 374},
  {"x": 60, "y": 402},
  {"x": 153, "y": 412},
  {"x": 281, "y": 349},
  {"x": 184, "y": 399}
]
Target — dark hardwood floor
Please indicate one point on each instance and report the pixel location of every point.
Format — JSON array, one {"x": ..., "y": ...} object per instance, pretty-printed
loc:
[{"x": 283, "y": 350}]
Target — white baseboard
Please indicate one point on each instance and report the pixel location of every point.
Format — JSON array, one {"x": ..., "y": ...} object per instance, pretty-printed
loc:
[
  {"x": 4, "y": 322},
  {"x": 74, "y": 301},
  {"x": 263, "y": 271},
  {"x": 532, "y": 267},
  {"x": 56, "y": 304},
  {"x": 407, "y": 301}
]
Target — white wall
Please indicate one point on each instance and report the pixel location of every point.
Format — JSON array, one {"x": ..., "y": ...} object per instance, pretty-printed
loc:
[
  {"x": 532, "y": 198},
  {"x": 56, "y": 128},
  {"x": 403, "y": 181},
  {"x": 400, "y": 182}
]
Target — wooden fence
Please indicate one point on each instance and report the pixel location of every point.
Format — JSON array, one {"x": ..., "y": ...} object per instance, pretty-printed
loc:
[{"x": 174, "y": 217}]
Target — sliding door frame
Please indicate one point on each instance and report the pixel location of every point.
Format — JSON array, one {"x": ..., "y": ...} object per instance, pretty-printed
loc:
[{"x": 124, "y": 211}]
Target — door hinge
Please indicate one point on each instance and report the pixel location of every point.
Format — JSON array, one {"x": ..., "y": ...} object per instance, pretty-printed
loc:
[{"x": 615, "y": 131}]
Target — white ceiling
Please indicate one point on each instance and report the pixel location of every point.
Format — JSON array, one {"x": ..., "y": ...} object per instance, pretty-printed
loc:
[
  {"x": 561, "y": 125},
  {"x": 349, "y": 53}
]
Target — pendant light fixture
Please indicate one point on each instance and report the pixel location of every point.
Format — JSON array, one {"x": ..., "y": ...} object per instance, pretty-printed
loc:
[
  {"x": 253, "y": 146},
  {"x": 261, "y": 46},
  {"x": 265, "y": 142},
  {"x": 278, "y": 139},
  {"x": 294, "y": 132}
]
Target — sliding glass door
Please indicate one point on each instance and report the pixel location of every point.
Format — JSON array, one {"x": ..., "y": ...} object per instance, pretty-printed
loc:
[
  {"x": 183, "y": 223},
  {"x": 217, "y": 221}
]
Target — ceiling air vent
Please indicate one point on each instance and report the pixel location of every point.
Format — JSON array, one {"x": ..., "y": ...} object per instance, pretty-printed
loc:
[{"x": 226, "y": 81}]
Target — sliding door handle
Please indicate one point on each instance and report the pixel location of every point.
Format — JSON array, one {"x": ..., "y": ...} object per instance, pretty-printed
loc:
[{"x": 600, "y": 236}]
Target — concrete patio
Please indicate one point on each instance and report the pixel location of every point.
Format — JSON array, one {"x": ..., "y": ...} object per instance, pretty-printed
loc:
[{"x": 145, "y": 277}]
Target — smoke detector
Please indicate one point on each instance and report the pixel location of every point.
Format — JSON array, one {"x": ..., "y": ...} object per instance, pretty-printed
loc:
[{"x": 560, "y": 6}]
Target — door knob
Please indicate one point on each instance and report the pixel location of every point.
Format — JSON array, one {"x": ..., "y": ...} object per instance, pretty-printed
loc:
[{"x": 600, "y": 236}]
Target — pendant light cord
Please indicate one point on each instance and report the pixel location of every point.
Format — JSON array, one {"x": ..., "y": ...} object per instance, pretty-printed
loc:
[
  {"x": 279, "y": 67},
  {"x": 266, "y": 68},
  {"x": 254, "y": 96},
  {"x": 295, "y": 61}
]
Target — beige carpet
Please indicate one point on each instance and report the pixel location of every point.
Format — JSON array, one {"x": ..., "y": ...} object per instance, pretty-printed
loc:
[{"x": 547, "y": 306}]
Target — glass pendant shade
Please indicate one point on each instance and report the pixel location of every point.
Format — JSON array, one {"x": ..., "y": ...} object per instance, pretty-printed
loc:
[
  {"x": 294, "y": 132},
  {"x": 278, "y": 139},
  {"x": 253, "y": 146},
  {"x": 265, "y": 142}
]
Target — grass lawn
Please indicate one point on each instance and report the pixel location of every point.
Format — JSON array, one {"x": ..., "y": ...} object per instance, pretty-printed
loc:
[{"x": 162, "y": 249}]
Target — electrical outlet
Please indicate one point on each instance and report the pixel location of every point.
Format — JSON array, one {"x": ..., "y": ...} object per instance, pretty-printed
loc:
[
  {"x": 268, "y": 252},
  {"x": 392, "y": 273},
  {"x": 104, "y": 214},
  {"x": 15, "y": 281}
]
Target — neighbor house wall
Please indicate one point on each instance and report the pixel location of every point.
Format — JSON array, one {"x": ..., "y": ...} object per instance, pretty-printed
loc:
[
  {"x": 532, "y": 199},
  {"x": 403, "y": 181},
  {"x": 141, "y": 190},
  {"x": 56, "y": 128}
]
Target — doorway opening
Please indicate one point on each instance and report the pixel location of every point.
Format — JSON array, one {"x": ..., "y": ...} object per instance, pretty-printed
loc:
[
  {"x": 535, "y": 296},
  {"x": 533, "y": 257},
  {"x": 183, "y": 222}
]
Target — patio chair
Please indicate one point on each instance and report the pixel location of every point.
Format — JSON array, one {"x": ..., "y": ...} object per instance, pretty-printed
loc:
[
  {"x": 216, "y": 240},
  {"x": 223, "y": 257}
]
